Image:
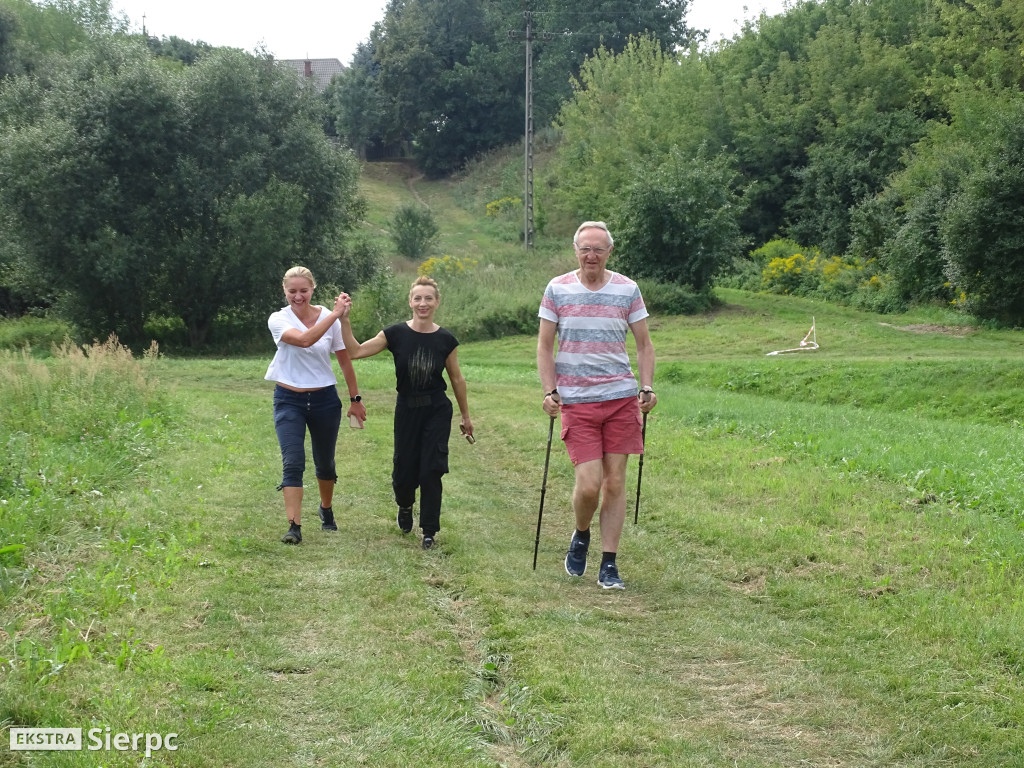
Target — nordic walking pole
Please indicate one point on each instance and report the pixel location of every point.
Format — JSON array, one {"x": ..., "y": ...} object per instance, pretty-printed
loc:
[
  {"x": 640, "y": 472},
  {"x": 543, "y": 489}
]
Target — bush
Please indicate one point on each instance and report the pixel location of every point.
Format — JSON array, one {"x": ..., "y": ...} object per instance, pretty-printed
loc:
[
  {"x": 446, "y": 267},
  {"x": 35, "y": 332},
  {"x": 674, "y": 299},
  {"x": 983, "y": 238},
  {"x": 414, "y": 231},
  {"x": 781, "y": 248},
  {"x": 791, "y": 269},
  {"x": 679, "y": 222}
]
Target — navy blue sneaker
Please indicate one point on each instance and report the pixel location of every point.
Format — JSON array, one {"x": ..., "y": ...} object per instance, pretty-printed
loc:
[
  {"x": 294, "y": 535},
  {"x": 576, "y": 557},
  {"x": 327, "y": 519},
  {"x": 428, "y": 542},
  {"x": 608, "y": 577}
]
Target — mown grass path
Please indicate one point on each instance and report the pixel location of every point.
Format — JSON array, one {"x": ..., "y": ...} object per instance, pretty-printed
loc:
[
  {"x": 782, "y": 610},
  {"x": 827, "y": 571}
]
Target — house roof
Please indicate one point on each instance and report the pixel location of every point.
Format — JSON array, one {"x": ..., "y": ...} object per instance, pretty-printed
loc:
[{"x": 321, "y": 70}]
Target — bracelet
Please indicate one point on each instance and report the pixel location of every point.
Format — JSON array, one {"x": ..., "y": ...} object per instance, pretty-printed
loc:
[
  {"x": 647, "y": 391},
  {"x": 356, "y": 399},
  {"x": 552, "y": 393}
]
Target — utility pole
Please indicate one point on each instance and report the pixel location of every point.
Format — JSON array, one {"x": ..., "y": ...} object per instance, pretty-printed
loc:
[
  {"x": 528, "y": 140},
  {"x": 529, "y": 37}
]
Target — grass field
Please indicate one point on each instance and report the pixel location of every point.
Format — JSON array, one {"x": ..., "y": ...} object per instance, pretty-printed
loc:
[{"x": 828, "y": 567}]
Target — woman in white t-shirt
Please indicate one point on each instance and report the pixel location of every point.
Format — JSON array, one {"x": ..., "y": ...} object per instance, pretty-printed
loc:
[{"x": 306, "y": 395}]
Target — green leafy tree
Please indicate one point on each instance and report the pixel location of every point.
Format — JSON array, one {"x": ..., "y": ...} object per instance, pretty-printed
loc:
[
  {"x": 86, "y": 180},
  {"x": 767, "y": 120},
  {"x": 142, "y": 190},
  {"x": 9, "y": 61},
  {"x": 853, "y": 163},
  {"x": 906, "y": 225},
  {"x": 912, "y": 253},
  {"x": 679, "y": 222},
  {"x": 261, "y": 187},
  {"x": 178, "y": 49},
  {"x": 359, "y": 112},
  {"x": 983, "y": 230},
  {"x": 61, "y": 27},
  {"x": 448, "y": 66},
  {"x": 628, "y": 109}
]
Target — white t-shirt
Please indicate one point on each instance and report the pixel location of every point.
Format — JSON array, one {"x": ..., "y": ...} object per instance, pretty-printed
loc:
[{"x": 303, "y": 367}]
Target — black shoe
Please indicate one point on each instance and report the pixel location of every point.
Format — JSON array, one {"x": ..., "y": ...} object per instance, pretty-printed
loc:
[
  {"x": 327, "y": 519},
  {"x": 576, "y": 557},
  {"x": 405, "y": 519},
  {"x": 428, "y": 542},
  {"x": 608, "y": 577},
  {"x": 294, "y": 535}
]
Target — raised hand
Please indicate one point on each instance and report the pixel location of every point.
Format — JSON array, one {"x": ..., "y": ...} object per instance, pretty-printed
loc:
[{"x": 343, "y": 304}]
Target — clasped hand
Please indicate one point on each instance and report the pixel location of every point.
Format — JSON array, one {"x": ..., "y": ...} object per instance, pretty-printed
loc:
[{"x": 343, "y": 304}]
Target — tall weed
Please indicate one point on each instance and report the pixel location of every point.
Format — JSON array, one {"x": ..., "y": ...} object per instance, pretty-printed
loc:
[{"x": 75, "y": 427}]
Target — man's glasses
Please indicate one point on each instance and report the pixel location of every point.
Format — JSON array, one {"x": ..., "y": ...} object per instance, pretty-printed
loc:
[{"x": 587, "y": 249}]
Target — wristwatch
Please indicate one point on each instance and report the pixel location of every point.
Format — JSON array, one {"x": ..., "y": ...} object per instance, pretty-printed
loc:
[{"x": 356, "y": 399}]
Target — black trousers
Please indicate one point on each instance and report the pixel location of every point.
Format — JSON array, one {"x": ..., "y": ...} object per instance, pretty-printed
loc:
[{"x": 421, "y": 456}]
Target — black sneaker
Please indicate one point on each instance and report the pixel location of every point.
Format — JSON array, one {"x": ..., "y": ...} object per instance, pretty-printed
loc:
[
  {"x": 327, "y": 519},
  {"x": 405, "y": 519},
  {"x": 608, "y": 577},
  {"x": 576, "y": 557},
  {"x": 294, "y": 535},
  {"x": 428, "y": 541}
]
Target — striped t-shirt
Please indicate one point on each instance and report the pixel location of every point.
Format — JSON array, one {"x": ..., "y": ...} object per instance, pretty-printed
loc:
[{"x": 592, "y": 365}]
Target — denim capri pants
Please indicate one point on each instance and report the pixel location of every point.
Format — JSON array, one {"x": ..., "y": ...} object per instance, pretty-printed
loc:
[{"x": 318, "y": 411}]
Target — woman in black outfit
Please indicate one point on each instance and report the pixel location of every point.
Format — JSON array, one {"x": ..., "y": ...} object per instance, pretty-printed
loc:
[{"x": 422, "y": 351}]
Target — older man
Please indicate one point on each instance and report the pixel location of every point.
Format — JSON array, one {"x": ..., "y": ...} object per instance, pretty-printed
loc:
[{"x": 590, "y": 381}]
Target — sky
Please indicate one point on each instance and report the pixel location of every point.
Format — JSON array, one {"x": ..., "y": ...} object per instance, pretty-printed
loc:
[{"x": 331, "y": 29}]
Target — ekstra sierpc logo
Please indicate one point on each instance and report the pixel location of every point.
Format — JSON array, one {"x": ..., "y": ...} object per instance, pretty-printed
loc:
[
  {"x": 56, "y": 739},
  {"x": 46, "y": 738}
]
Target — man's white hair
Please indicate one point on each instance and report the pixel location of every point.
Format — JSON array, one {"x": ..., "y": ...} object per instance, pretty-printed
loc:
[{"x": 593, "y": 225}]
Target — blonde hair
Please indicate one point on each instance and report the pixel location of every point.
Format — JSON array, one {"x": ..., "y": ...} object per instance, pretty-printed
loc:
[
  {"x": 424, "y": 280},
  {"x": 593, "y": 225},
  {"x": 298, "y": 272}
]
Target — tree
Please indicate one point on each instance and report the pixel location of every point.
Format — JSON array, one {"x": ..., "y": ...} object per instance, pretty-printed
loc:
[
  {"x": 679, "y": 222},
  {"x": 61, "y": 27},
  {"x": 142, "y": 190},
  {"x": 178, "y": 49},
  {"x": 448, "y": 66},
  {"x": 983, "y": 231},
  {"x": 9, "y": 63},
  {"x": 261, "y": 187},
  {"x": 85, "y": 174},
  {"x": 359, "y": 112},
  {"x": 849, "y": 164},
  {"x": 925, "y": 212}
]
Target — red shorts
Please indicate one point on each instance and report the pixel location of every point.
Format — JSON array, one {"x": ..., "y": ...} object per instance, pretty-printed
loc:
[{"x": 590, "y": 430}]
